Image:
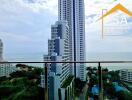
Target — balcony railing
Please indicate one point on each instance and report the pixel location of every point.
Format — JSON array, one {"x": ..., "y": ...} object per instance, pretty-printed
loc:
[{"x": 99, "y": 69}]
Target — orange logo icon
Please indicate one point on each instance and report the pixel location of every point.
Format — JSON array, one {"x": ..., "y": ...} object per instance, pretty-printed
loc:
[{"x": 111, "y": 11}]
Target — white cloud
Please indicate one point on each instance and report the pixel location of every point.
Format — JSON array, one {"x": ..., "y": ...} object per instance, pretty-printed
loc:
[
  {"x": 94, "y": 7},
  {"x": 93, "y": 10},
  {"x": 36, "y": 6},
  {"x": 30, "y": 20},
  {"x": 94, "y": 41},
  {"x": 14, "y": 36}
]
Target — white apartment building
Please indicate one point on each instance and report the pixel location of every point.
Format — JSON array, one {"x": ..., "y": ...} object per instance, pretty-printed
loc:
[
  {"x": 126, "y": 75},
  {"x": 6, "y": 69},
  {"x": 73, "y": 12},
  {"x": 58, "y": 50}
]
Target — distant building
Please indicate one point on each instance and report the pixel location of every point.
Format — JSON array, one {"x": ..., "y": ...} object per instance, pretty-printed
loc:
[
  {"x": 6, "y": 69},
  {"x": 126, "y": 75},
  {"x": 59, "y": 74},
  {"x": 42, "y": 81},
  {"x": 1, "y": 50},
  {"x": 67, "y": 43}
]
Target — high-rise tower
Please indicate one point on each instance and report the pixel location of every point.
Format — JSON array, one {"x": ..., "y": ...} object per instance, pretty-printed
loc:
[
  {"x": 5, "y": 68},
  {"x": 58, "y": 50},
  {"x": 1, "y": 50},
  {"x": 73, "y": 12}
]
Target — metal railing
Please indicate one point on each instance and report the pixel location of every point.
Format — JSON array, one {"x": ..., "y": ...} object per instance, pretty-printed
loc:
[{"x": 93, "y": 62}]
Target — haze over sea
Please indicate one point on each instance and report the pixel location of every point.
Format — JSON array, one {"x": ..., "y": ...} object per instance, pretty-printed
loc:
[{"x": 91, "y": 56}]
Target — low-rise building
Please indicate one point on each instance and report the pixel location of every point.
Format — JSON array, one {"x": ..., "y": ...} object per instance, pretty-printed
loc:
[{"x": 126, "y": 75}]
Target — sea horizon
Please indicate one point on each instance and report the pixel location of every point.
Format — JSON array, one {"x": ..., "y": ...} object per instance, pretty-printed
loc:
[{"x": 91, "y": 56}]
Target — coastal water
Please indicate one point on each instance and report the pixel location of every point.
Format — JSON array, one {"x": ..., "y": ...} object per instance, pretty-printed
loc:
[
  {"x": 91, "y": 56},
  {"x": 111, "y": 56}
]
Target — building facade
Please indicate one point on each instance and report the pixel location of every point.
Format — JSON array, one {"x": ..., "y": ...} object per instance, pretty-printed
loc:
[
  {"x": 126, "y": 75},
  {"x": 6, "y": 69},
  {"x": 73, "y": 12},
  {"x": 58, "y": 50},
  {"x": 1, "y": 50},
  {"x": 67, "y": 43}
]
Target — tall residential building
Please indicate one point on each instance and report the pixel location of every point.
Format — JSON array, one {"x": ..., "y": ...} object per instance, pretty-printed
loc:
[
  {"x": 73, "y": 12},
  {"x": 1, "y": 50},
  {"x": 58, "y": 50}
]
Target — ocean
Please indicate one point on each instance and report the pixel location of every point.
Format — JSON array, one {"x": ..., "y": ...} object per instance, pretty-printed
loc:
[
  {"x": 111, "y": 56},
  {"x": 91, "y": 56}
]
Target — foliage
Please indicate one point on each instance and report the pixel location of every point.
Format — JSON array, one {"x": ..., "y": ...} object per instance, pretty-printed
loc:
[
  {"x": 21, "y": 86},
  {"x": 124, "y": 95},
  {"x": 108, "y": 77},
  {"x": 110, "y": 90},
  {"x": 105, "y": 69},
  {"x": 114, "y": 75},
  {"x": 78, "y": 86},
  {"x": 95, "y": 69},
  {"x": 30, "y": 74},
  {"x": 67, "y": 82},
  {"x": 88, "y": 94}
]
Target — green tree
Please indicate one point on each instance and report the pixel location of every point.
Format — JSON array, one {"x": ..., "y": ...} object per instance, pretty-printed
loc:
[
  {"x": 105, "y": 69},
  {"x": 114, "y": 75},
  {"x": 124, "y": 95},
  {"x": 110, "y": 90}
]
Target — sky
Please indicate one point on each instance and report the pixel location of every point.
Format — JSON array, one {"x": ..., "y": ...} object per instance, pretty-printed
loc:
[{"x": 25, "y": 26}]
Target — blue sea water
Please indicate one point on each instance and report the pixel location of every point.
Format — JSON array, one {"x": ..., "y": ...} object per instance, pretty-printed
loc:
[{"x": 91, "y": 56}]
